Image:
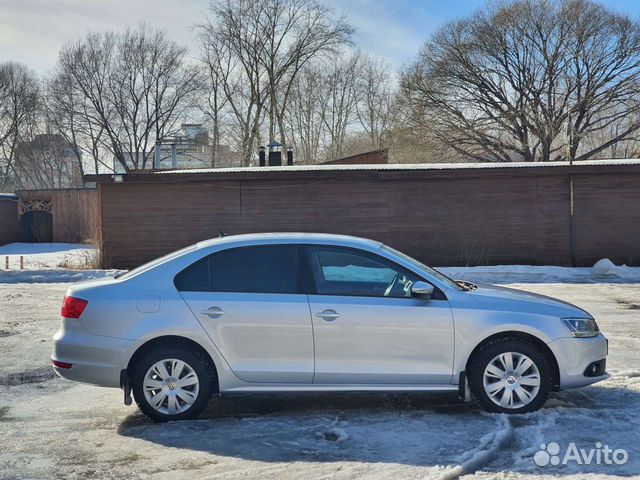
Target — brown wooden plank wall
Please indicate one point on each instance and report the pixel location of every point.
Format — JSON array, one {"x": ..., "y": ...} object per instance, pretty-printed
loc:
[
  {"x": 455, "y": 218},
  {"x": 9, "y": 222},
  {"x": 607, "y": 220}
]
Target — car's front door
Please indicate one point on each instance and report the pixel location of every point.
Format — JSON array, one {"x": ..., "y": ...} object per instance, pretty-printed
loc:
[
  {"x": 248, "y": 301},
  {"x": 367, "y": 327}
]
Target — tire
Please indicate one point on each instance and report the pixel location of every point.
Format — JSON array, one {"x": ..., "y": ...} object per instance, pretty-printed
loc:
[
  {"x": 500, "y": 389},
  {"x": 174, "y": 397}
]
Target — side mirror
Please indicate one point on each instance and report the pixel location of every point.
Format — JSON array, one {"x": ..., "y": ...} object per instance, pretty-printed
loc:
[{"x": 422, "y": 290}]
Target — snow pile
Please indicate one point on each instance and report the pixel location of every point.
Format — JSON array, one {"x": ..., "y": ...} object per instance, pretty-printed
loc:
[
  {"x": 604, "y": 271},
  {"x": 489, "y": 447},
  {"x": 606, "y": 267},
  {"x": 334, "y": 435}
]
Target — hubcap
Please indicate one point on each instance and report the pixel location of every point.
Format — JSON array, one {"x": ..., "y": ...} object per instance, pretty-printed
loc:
[
  {"x": 171, "y": 386},
  {"x": 511, "y": 380}
]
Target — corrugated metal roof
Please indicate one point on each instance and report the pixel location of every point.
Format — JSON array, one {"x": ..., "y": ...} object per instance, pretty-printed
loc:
[{"x": 399, "y": 166}]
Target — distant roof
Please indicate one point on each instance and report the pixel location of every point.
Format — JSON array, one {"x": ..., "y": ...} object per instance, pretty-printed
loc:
[
  {"x": 402, "y": 166},
  {"x": 9, "y": 196},
  {"x": 404, "y": 170}
]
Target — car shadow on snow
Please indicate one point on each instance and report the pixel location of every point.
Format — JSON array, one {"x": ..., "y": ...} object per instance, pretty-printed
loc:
[{"x": 409, "y": 429}]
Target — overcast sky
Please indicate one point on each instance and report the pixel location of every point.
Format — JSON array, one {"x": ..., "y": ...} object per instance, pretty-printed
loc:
[{"x": 32, "y": 31}]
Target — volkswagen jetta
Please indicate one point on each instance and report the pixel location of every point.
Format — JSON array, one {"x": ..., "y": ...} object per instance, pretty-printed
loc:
[{"x": 312, "y": 312}]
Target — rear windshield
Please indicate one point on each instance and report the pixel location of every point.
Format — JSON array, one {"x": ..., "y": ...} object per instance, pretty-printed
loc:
[{"x": 156, "y": 262}]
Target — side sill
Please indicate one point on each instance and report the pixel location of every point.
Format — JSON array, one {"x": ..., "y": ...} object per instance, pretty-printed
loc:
[{"x": 342, "y": 388}]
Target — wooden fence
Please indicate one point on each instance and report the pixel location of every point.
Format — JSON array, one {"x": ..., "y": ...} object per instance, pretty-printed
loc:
[
  {"x": 74, "y": 212},
  {"x": 508, "y": 214}
]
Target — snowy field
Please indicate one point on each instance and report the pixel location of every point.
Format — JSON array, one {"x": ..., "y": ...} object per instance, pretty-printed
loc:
[
  {"x": 51, "y": 428},
  {"x": 49, "y": 262}
]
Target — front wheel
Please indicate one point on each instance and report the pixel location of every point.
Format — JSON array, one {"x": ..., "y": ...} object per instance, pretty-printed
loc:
[
  {"x": 510, "y": 376},
  {"x": 172, "y": 383}
]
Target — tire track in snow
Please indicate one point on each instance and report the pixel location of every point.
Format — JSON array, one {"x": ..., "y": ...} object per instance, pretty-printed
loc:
[{"x": 489, "y": 447}]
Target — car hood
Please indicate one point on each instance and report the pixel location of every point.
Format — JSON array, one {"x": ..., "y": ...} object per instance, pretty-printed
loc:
[{"x": 518, "y": 300}]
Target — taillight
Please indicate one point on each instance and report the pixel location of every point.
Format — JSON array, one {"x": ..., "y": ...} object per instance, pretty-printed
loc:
[
  {"x": 58, "y": 364},
  {"x": 73, "y": 307}
]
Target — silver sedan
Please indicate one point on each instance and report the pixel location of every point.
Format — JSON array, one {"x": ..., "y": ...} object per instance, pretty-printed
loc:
[{"x": 312, "y": 312}]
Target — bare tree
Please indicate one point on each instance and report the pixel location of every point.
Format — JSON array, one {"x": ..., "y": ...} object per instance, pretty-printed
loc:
[
  {"x": 136, "y": 87},
  {"x": 215, "y": 99},
  {"x": 255, "y": 49},
  {"x": 297, "y": 31},
  {"x": 530, "y": 80},
  {"x": 339, "y": 97},
  {"x": 232, "y": 45},
  {"x": 305, "y": 114},
  {"x": 376, "y": 99},
  {"x": 19, "y": 98},
  {"x": 70, "y": 112}
]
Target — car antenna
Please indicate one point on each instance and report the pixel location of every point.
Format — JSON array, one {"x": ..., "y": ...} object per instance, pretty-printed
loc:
[{"x": 221, "y": 234}]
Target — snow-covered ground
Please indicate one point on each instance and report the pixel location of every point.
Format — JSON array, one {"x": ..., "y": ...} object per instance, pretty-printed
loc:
[
  {"x": 49, "y": 263},
  {"x": 604, "y": 271},
  {"x": 51, "y": 428}
]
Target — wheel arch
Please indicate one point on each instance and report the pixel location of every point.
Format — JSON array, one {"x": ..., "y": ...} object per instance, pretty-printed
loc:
[
  {"x": 166, "y": 340},
  {"x": 555, "y": 369}
]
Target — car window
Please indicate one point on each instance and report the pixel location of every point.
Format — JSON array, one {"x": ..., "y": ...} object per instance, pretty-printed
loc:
[
  {"x": 342, "y": 271},
  {"x": 194, "y": 278},
  {"x": 439, "y": 275},
  {"x": 259, "y": 269}
]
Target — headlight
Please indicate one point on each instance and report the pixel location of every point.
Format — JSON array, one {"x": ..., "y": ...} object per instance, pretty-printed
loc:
[{"x": 581, "y": 327}]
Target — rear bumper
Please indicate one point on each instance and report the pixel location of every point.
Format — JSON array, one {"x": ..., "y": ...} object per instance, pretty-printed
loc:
[
  {"x": 574, "y": 355},
  {"x": 94, "y": 359}
]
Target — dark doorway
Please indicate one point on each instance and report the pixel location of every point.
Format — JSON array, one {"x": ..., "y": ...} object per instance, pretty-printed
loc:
[{"x": 36, "y": 226}]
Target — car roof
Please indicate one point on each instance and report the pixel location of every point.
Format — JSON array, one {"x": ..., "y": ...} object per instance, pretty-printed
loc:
[{"x": 285, "y": 237}]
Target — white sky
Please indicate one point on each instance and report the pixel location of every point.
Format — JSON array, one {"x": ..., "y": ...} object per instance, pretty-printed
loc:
[{"x": 32, "y": 31}]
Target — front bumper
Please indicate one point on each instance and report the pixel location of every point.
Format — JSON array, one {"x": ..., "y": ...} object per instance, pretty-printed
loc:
[
  {"x": 574, "y": 355},
  {"x": 94, "y": 359}
]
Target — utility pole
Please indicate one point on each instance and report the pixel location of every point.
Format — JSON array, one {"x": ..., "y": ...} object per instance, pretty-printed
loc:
[{"x": 572, "y": 228}]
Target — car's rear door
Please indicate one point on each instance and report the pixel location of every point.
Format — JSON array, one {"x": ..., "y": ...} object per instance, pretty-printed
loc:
[
  {"x": 249, "y": 301},
  {"x": 367, "y": 327}
]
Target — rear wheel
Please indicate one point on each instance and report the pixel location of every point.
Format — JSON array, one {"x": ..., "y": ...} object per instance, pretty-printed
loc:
[
  {"x": 172, "y": 383},
  {"x": 510, "y": 376}
]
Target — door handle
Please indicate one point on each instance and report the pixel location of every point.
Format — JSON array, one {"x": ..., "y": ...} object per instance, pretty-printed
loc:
[
  {"x": 328, "y": 315},
  {"x": 213, "y": 312}
]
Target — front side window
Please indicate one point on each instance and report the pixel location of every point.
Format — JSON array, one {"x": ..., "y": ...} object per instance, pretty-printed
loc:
[
  {"x": 432, "y": 271},
  {"x": 259, "y": 269},
  {"x": 338, "y": 271}
]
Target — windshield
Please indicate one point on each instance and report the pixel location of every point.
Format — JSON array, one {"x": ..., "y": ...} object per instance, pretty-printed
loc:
[
  {"x": 155, "y": 262},
  {"x": 432, "y": 271}
]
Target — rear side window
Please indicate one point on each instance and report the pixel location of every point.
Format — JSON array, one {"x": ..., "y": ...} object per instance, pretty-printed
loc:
[
  {"x": 259, "y": 269},
  {"x": 194, "y": 278}
]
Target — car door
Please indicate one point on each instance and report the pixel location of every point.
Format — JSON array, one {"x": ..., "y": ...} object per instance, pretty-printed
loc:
[
  {"x": 367, "y": 327},
  {"x": 248, "y": 300}
]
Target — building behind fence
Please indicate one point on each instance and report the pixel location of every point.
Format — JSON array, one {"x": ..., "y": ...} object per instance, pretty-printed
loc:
[
  {"x": 460, "y": 214},
  {"x": 57, "y": 215}
]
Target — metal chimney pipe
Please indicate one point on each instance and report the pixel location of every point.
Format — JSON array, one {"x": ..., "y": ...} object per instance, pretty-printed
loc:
[
  {"x": 262, "y": 156},
  {"x": 156, "y": 156}
]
